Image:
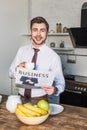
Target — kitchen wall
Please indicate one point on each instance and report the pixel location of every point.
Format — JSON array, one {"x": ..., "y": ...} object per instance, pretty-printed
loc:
[
  {"x": 13, "y": 23},
  {"x": 15, "y": 16},
  {"x": 66, "y": 12}
]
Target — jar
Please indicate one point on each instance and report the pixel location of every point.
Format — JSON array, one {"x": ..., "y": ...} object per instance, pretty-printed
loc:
[
  {"x": 12, "y": 102},
  {"x": 62, "y": 44},
  {"x": 52, "y": 44},
  {"x": 65, "y": 30}
]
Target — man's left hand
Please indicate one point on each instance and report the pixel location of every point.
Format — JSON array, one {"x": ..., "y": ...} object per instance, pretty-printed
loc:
[{"x": 49, "y": 89}]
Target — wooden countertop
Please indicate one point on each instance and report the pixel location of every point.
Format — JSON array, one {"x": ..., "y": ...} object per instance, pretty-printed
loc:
[{"x": 72, "y": 118}]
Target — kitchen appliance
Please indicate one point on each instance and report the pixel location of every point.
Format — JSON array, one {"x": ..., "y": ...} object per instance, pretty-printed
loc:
[
  {"x": 79, "y": 37},
  {"x": 74, "y": 63}
]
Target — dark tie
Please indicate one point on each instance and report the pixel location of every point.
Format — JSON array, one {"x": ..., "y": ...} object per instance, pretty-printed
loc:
[
  {"x": 27, "y": 93},
  {"x": 34, "y": 59}
]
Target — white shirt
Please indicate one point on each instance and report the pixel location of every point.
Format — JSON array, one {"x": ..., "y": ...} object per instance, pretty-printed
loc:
[{"x": 47, "y": 60}]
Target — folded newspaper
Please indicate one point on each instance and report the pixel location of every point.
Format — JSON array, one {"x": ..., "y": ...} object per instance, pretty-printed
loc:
[{"x": 26, "y": 78}]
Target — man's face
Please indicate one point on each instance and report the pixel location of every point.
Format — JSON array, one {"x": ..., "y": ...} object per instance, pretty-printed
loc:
[{"x": 38, "y": 33}]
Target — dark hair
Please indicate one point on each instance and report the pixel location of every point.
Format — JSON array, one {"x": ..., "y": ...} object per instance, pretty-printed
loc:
[{"x": 39, "y": 20}]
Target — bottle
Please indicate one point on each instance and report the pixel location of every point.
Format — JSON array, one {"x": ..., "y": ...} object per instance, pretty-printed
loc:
[
  {"x": 57, "y": 27},
  {"x": 60, "y": 27},
  {"x": 12, "y": 102}
]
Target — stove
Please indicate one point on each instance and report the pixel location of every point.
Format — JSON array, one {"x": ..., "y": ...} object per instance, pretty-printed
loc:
[{"x": 74, "y": 65}]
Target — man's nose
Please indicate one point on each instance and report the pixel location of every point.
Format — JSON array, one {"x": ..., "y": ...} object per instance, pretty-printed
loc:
[{"x": 38, "y": 32}]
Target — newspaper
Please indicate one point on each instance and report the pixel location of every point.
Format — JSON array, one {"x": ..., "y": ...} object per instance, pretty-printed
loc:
[{"x": 26, "y": 78}]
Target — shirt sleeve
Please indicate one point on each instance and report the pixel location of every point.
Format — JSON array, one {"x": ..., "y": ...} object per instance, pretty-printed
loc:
[
  {"x": 59, "y": 78},
  {"x": 15, "y": 63}
]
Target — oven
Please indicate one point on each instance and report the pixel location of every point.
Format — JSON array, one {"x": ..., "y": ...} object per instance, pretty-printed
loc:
[
  {"x": 75, "y": 93},
  {"x": 75, "y": 68}
]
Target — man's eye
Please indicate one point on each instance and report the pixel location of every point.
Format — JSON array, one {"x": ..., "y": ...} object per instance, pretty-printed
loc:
[
  {"x": 43, "y": 30},
  {"x": 34, "y": 29}
]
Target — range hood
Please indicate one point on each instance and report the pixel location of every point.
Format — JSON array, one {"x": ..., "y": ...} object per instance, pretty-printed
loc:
[{"x": 78, "y": 37}]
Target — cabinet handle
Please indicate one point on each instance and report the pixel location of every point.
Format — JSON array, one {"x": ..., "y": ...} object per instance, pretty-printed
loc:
[{"x": 71, "y": 61}]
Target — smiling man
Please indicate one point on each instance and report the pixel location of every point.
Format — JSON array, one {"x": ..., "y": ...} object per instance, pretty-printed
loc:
[{"x": 46, "y": 60}]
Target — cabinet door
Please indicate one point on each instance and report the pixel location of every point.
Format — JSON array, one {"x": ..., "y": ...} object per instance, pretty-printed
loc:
[{"x": 74, "y": 65}]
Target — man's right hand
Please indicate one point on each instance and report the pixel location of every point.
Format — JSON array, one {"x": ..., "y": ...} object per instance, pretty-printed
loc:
[{"x": 23, "y": 64}]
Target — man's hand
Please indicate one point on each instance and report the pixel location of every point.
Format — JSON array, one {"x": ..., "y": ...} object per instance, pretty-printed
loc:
[
  {"x": 49, "y": 89},
  {"x": 23, "y": 64}
]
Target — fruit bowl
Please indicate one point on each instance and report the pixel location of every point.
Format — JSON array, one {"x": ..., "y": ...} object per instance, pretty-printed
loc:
[{"x": 33, "y": 120}]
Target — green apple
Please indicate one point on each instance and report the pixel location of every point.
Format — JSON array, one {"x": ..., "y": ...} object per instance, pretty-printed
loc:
[{"x": 43, "y": 104}]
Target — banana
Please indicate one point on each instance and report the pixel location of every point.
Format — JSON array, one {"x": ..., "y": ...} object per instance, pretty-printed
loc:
[
  {"x": 24, "y": 110},
  {"x": 27, "y": 111},
  {"x": 18, "y": 112},
  {"x": 35, "y": 109}
]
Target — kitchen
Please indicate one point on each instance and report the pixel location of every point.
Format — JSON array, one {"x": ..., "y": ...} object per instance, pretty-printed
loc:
[{"x": 15, "y": 16}]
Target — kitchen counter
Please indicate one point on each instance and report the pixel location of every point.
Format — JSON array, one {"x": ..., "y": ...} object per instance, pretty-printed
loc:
[{"x": 72, "y": 118}]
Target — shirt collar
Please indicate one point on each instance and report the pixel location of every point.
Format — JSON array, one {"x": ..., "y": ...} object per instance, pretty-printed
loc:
[{"x": 41, "y": 48}]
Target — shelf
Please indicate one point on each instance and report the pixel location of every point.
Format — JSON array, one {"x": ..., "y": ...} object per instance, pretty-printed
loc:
[
  {"x": 50, "y": 34},
  {"x": 58, "y": 34},
  {"x": 63, "y": 49}
]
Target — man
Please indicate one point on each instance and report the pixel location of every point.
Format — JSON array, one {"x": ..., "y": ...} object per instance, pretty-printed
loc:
[{"x": 47, "y": 60}]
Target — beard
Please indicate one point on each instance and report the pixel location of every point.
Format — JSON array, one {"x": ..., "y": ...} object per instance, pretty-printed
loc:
[{"x": 38, "y": 43}]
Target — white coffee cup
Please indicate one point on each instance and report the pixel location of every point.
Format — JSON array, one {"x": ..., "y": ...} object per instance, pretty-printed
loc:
[{"x": 29, "y": 66}]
